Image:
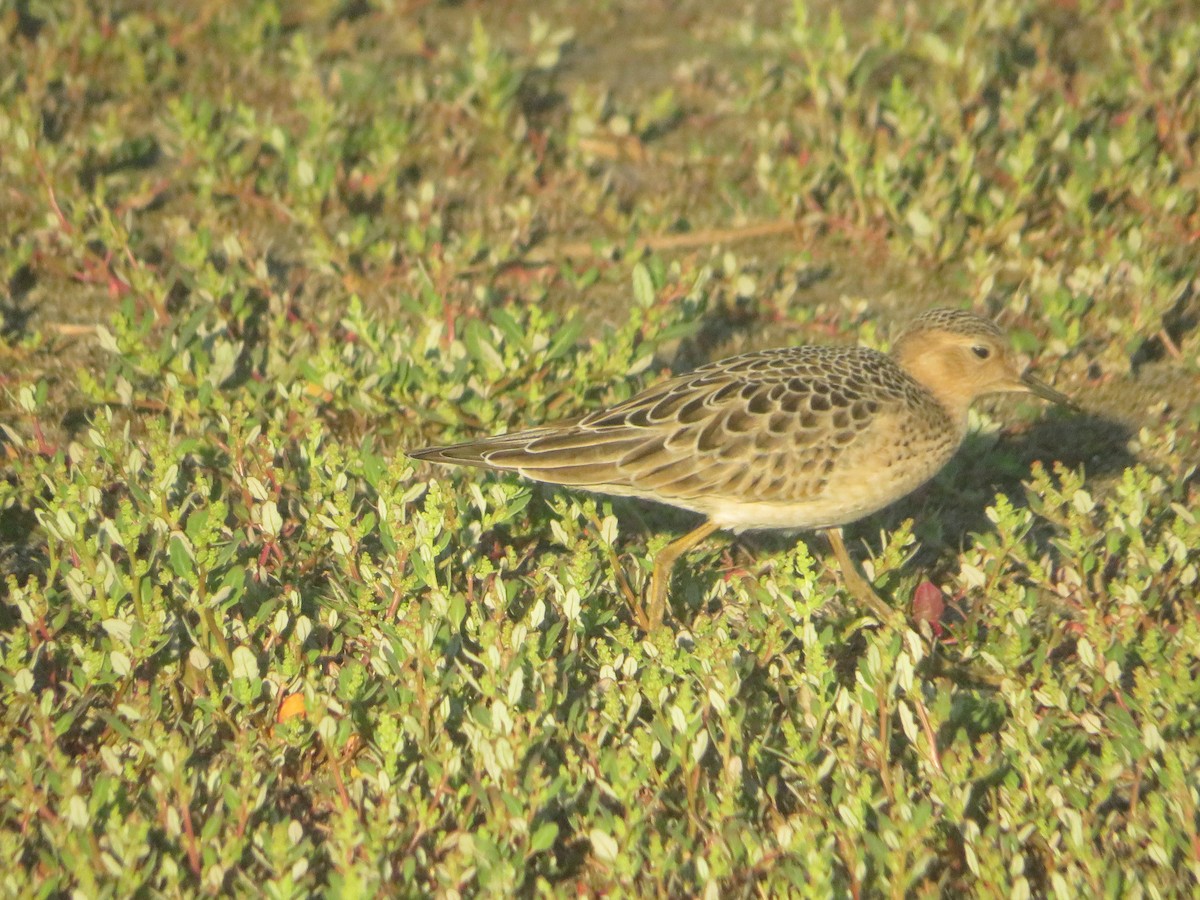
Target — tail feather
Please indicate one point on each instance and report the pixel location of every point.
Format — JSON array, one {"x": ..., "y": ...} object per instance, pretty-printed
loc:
[{"x": 574, "y": 456}]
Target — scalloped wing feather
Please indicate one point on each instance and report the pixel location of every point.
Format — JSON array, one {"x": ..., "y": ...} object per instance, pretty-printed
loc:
[{"x": 763, "y": 427}]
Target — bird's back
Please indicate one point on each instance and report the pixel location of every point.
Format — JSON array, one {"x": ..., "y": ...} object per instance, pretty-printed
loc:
[{"x": 787, "y": 438}]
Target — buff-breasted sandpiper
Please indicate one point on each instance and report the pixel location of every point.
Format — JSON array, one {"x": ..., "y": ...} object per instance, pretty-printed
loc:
[{"x": 810, "y": 437}]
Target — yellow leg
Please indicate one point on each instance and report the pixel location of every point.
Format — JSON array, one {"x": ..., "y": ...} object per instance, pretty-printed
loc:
[
  {"x": 660, "y": 578},
  {"x": 855, "y": 583}
]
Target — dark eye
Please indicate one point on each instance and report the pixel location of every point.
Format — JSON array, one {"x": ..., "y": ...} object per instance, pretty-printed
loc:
[{"x": 981, "y": 352}]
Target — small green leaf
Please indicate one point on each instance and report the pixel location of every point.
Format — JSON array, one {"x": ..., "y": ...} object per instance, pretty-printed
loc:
[
  {"x": 543, "y": 838},
  {"x": 565, "y": 338},
  {"x": 643, "y": 286},
  {"x": 245, "y": 664},
  {"x": 182, "y": 560},
  {"x": 603, "y": 845}
]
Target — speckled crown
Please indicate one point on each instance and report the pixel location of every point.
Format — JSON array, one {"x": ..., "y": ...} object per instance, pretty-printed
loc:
[{"x": 955, "y": 321}]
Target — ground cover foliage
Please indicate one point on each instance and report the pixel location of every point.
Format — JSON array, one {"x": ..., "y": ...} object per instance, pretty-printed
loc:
[{"x": 253, "y": 251}]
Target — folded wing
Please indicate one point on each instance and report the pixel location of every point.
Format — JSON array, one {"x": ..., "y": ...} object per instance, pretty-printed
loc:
[{"x": 767, "y": 426}]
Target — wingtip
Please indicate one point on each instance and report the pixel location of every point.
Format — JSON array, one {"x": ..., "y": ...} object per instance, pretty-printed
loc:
[
  {"x": 433, "y": 455},
  {"x": 448, "y": 454}
]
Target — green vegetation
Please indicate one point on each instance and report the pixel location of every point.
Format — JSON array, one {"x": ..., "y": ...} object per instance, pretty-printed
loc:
[{"x": 253, "y": 252}]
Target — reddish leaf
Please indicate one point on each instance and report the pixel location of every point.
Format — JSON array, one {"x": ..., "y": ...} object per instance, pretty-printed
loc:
[{"x": 928, "y": 605}]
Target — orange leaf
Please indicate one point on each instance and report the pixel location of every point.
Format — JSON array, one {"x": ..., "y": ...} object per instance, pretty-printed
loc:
[{"x": 293, "y": 705}]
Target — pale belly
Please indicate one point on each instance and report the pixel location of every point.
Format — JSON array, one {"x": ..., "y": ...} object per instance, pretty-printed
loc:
[{"x": 851, "y": 494}]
